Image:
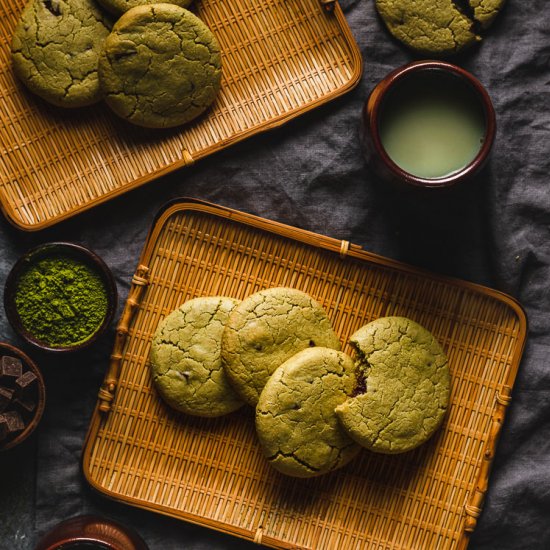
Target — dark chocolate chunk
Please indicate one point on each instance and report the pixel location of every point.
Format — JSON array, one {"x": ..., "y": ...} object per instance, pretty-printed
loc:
[
  {"x": 25, "y": 381},
  {"x": 26, "y": 403},
  {"x": 6, "y": 396},
  {"x": 10, "y": 367},
  {"x": 13, "y": 421}
]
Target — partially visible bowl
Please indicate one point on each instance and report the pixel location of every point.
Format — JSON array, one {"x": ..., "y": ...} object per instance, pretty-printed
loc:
[
  {"x": 32, "y": 423},
  {"x": 53, "y": 250},
  {"x": 92, "y": 533}
]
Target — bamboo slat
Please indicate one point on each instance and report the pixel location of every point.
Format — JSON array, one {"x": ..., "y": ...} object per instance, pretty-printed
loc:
[
  {"x": 280, "y": 58},
  {"x": 211, "y": 471}
]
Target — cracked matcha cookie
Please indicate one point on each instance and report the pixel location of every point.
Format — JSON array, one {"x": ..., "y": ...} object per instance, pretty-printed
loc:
[
  {"x": 407, "y": 386},
  {"x": 118, "y": 7},
  {"x": 265, "y": 330},
  {"x": 185, "y": 358},
  {"x": 295, "y": 420},
  {"x": 160, "y": 66},
  {"x": 55, "y": 50},
  {"x": 440, "y": 27}
]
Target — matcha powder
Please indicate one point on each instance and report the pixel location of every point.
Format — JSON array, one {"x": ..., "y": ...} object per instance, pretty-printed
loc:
[{"x": 61, "y": 301}]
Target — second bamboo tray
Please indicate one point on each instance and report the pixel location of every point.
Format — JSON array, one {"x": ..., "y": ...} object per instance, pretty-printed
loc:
[
  {"x": 212, "y": 472},
  {"x": 280, "y": 58}
]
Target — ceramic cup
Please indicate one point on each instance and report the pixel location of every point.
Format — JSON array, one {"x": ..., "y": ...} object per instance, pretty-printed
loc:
[{"x": 428, "y": 125}]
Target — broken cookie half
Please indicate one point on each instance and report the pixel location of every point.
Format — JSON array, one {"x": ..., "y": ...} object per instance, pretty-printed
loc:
[
  {"x": 406, "y": 386},
  {"x": 438, "y": 27}
]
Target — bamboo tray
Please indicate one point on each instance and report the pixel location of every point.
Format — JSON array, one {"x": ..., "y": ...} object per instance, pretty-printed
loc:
[
  {"x": 280, "y": 59},
  {"x": 211, "y": 472}
]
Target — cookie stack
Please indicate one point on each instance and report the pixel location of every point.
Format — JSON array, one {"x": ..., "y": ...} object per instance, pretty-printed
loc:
[
  {"x": 158, "y": 66},
  {"x": 276, "y": 351}
]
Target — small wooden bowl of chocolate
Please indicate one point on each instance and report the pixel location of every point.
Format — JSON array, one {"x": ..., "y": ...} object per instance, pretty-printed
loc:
[{"x": 22, "y": 396}]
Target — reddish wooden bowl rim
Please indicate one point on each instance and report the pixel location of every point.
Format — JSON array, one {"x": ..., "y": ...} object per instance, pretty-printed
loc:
[
  {"x": 31, "y": 426},
  {"x": 92, "y": 529}
]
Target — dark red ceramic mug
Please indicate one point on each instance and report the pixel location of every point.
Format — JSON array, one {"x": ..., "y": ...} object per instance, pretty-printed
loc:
[{"x": 423, "y": 97}]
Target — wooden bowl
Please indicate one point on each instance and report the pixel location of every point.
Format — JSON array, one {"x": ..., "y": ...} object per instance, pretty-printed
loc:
[
  {"x": 77, "y": 252},
  {"x": 377, "y": 155},
  {"x": 7, "y": 349},
  {"x": 89, "y": 531}
]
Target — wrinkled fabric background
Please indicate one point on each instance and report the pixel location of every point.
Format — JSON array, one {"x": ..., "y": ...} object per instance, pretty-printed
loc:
[{"x": 310, "y": 173}]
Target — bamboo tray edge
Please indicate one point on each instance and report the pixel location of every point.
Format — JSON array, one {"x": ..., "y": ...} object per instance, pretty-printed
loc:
[{"x": 353, "y": 251}]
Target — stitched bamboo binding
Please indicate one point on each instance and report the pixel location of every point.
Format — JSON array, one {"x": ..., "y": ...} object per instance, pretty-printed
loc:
[
  {"x": 108, "y": 388},
  {"x": 212, "y": 472},
  {"x": 474, "y": 507}
]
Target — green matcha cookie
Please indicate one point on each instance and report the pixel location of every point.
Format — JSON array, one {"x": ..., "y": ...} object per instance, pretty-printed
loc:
[
  {"x": 295, "y": 420},
  {"x": 440, "y": 27},
  {"x": 160, "y": 66},
  {"x": 118, "y": 7},
  {"x": 55, "y": 50},
  {"x": 185, "y": 358},
  {"x": 265, "y": 330},
  {"x": 407, "y": 386}
]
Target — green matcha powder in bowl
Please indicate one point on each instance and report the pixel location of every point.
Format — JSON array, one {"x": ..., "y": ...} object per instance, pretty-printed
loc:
[{"x": 60, "y": 297}]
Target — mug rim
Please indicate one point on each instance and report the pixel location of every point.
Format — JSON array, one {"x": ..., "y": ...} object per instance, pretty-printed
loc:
[{"x": 373, "y": 113}]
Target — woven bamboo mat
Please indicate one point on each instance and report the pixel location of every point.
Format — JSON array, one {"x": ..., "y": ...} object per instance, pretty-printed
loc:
[
  {"x": 211, "y": 472},
  {"x": 280, "y": 58}
]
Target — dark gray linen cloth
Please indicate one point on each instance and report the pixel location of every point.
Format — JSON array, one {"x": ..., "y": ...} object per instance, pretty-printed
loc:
[{"x": 310, "y": 173}]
